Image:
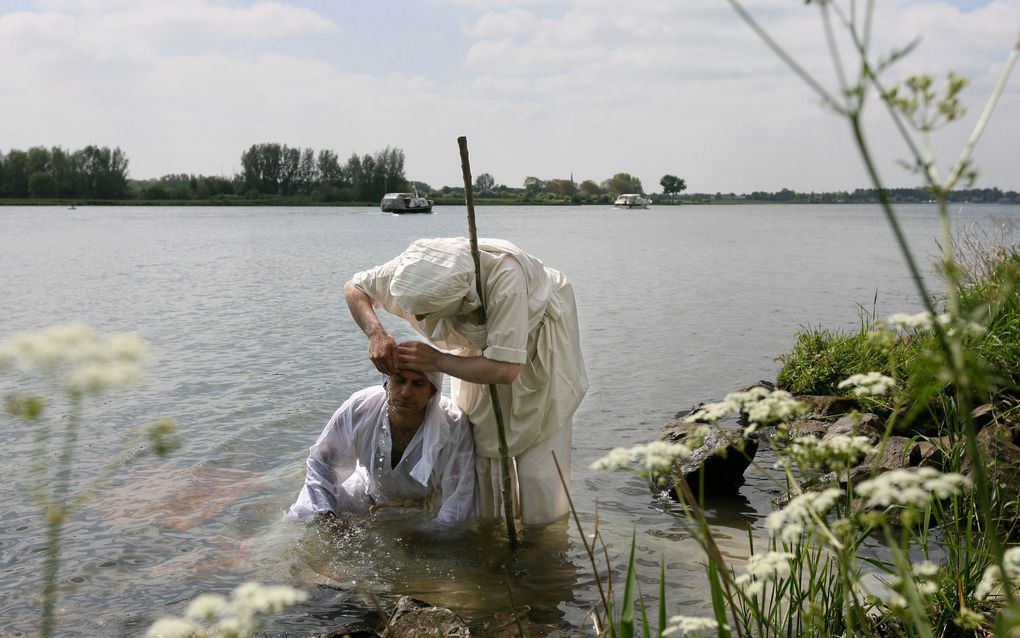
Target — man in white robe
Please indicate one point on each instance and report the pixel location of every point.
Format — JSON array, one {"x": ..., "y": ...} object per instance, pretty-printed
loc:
[
  {"x": 396, "y": 444},
  {"x": 528, "y": 345}
]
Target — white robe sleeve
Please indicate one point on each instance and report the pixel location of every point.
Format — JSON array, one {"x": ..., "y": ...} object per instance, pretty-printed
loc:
[
  {"x": 375, "y": 283},
  {"x": 456, "y": 472},
  {"x": 331, "y": 461},
  {"x": 507, "y": 314}
]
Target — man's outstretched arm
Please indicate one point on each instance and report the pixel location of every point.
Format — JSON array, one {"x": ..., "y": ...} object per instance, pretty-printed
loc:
[{"x": 382, "y": 348}]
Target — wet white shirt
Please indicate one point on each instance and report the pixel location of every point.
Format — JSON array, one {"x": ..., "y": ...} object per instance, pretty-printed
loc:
[{"x": 349, "y": 468}]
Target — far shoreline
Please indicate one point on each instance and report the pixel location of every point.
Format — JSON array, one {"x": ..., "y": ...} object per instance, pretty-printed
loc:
[{"x": 303, "y": 203}]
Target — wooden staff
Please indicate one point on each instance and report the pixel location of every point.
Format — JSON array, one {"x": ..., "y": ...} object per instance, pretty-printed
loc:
[{"x": 504, "y": 451}]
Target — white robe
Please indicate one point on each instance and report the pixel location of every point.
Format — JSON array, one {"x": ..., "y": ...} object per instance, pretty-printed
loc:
[
  {"x": 531, "y": 320},
  {"x": 349, "y": 467}
]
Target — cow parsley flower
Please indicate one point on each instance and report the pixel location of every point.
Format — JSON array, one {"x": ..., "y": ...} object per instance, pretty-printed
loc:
[
  {"x": 216, "y": 616},
  {"x": 762, "y": 569},
  {"x": 871, "y": 383},
  {"x": 173, "y": 628},
  {"x": 961, "y": 326},
  {"x": 77, "y": 356},
  {"x": 691, "y": 627},
  {"x": 919, "y": 321},
  {"x": 761, "y": 405},
  {"x": 657, "y": 455},
  {"x": 913, "y": 488},
  {"x": 266, "y": 598},
  {"x": 922, "y": 576},
  {"x": 777, "y": 406},
  {"x": 712, "y": 412},
  {"x": 836, "y": 454},
  {"x": 801, "y": 513},
  {"x": 991, "y": 580},
  {"x": 206, "y": 607}
]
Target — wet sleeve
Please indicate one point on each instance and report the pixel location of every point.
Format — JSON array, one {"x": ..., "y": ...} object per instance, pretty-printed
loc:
[
  {"x": 506, "y": 309},
  {"x": 376, "y": 284},
  {"x": 331, "y": 461},
  {"x": 458, "y": 476}
]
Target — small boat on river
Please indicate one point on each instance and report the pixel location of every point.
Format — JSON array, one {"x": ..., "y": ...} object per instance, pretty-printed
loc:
[
  {"x": 405, "y": 203},
  {"x": 631, "y": 200}
]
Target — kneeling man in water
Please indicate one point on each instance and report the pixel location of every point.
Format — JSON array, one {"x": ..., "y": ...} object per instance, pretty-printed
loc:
[{"x": 400, "y": 443}]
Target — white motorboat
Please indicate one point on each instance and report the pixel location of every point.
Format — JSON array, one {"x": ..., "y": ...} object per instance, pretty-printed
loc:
[
  {"x": 631, "y": 200},
  {"x": 405, "y": 203}
]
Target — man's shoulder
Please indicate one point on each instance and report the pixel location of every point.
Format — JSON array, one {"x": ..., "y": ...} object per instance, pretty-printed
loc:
[{"x": 362, "y": 399}]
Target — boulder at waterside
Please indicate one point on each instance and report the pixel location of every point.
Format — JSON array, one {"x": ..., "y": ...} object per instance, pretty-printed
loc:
[
  {"x": 721, "y": 458},
  {"x": 999, "y": 444},
  {"x": 416, "y": 619}
]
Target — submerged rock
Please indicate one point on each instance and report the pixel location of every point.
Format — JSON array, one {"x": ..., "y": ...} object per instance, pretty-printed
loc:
[
  {"x": 356, "y": 630},
  {"x": 721, "y": 458},
  {"x": 416, "y": 619}
]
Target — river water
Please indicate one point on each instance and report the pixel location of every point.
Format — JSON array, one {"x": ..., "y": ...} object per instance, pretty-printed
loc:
[{"x": 255, "y": 350}]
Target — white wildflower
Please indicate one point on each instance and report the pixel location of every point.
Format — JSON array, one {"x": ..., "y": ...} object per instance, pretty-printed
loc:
[
  {"x": 925, "y": 570},
  {"x": 173, "y": 628},
  {"x": 956, "y": 326},
  {"x": 78, "y": 356},
  {"x": 775, "y": 407},
  {"x": 927, "y": 587},
  {"x": 919, "y": 321},
  {"x": 764, "y": 568},
  {"x": 762, "y": 406},
  {"x": 838, "y": 453},
  {"x": 911, "y": 488},
  {"x": 234, "y": 626},
  {"x": 266, "y": 598},
  {"x": 755, "y": 394},
  {"x": 657, "y": 455},
  {"x": 691, "y": 627},
  {"x": 991, "y": 580},
  {"x": 234, "y": 617},
  {"x": 800, "y": 514},
  {"x": 897, "y": 601},
  {"x": 617, "y": 459},
  {"x": 660, "y": 455},
  {"x": 922, "y": 580},
  {"x": 871, "y": 383},
  {"x": 206, "y": 607},
  {"x": 712, "y": 412}
]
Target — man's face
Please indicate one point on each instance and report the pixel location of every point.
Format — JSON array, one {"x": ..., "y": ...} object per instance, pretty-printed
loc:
[{"x": 409, "y": 392}]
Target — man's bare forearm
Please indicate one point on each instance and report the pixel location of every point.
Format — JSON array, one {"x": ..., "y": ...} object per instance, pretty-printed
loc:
[
  {"x": 360, "y": 305},
  {"x": 382, "y": 349}
]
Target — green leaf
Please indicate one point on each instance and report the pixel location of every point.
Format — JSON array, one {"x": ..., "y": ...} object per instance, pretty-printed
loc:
[
  {"x": 662, "y": 596},
  {"x": 627, "y": 606},
  {"x": 718, "y": 599}
]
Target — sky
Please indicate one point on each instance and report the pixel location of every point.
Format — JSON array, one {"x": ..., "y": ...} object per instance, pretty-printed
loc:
[{"x": 545, "y": 88}]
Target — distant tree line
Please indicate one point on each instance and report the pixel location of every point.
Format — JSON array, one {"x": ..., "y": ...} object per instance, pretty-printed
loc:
[
  {"x": 862, "y": 196},
  {"x": 93, "y": 172},
  {"x": 275, "y": 169},
  {"x": 279, "y": 172},
  {"x": 548, "y": 191},
  {"x": 268, "y": 170}
]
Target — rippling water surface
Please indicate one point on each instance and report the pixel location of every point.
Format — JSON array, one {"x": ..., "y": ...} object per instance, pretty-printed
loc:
[{"x": 255, "y": 349}]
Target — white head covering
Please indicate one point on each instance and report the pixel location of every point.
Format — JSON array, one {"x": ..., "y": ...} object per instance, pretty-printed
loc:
[
  {"x": 435, "y": 430},
  {"x": 436, "y": 277}
]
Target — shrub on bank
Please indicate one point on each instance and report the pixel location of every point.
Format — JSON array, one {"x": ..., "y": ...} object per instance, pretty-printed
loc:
[{"x": 906, "y": 346}]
